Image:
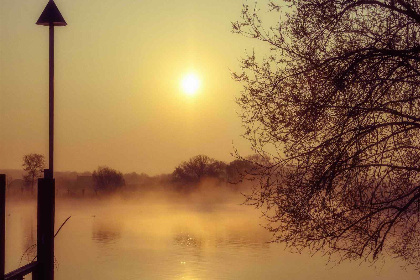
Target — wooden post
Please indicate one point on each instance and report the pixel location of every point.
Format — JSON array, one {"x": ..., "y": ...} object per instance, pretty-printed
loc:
[
  {"x": 45, "y": 228},
  {"x": 2, "y": 224}
]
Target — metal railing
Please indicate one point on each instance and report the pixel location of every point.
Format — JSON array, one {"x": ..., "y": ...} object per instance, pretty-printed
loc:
[{"x": 19, "y": 273}]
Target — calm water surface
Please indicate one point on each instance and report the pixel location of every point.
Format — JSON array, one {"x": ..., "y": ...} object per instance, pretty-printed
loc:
[{"x": 161, "y": 239}]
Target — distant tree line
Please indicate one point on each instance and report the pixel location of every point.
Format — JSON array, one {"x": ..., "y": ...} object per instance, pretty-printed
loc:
[
  {"x": 191, "y": 172},
  {"x": 186, "y": 177}
]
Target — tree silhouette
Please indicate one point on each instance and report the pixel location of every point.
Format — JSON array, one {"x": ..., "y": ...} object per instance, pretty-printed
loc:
[
  {"x": 34, "y": 165},
  {"x": 245, "y": 168},
  {"x": 191, "y": 172},
  {"x": 337, "y": 99},
  {"x": 107, "y": 179}
]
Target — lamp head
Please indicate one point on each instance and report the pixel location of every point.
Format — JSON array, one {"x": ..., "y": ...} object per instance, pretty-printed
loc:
[{"x": 51, "y": 14}]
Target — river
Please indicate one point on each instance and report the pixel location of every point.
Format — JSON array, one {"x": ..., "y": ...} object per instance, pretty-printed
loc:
[{"x": 152, "y": 238}]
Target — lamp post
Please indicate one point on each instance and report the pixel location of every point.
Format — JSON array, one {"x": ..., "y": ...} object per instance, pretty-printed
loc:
[{"x": 50, "y": 17}]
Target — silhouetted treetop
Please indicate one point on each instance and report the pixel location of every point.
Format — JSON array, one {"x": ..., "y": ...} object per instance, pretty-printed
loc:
[
  {"x": 336, "y": 97},
  {"x": 107, "y": 179},
  {"x": 197, "y": 168},
  {"x": 246, "y": 168},
  {"x": 34, "y": 165}
]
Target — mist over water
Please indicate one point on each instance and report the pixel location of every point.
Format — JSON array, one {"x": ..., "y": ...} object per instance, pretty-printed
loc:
[{"x": 206, "y": 234}]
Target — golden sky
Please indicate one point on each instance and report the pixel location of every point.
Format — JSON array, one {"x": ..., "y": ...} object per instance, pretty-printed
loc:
[{"x": 118, "y": 100}]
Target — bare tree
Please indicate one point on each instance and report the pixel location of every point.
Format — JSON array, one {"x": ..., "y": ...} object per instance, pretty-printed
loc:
[
  {"x": 191, "y": 172},
  {"x": 34, "y": 165},
  {"x": 107, "y": 179},
  {"x": 336, "y": 102},
  {"x": 246, "y": 168}
]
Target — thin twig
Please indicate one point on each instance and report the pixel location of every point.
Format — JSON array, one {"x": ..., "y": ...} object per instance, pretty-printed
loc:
[
  {"x": 68, "y": 218},
  {"x": 62, "y": 226}
]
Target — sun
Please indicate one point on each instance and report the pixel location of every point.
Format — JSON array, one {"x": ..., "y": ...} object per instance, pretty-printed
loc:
[{"x": 190, "y": 84}]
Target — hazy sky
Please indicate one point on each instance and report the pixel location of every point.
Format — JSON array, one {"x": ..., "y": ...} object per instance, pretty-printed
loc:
[{"x": 119, "y": 65}]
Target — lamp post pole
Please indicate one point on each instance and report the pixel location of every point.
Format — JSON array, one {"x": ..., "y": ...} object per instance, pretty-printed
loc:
[{"x": 51, "y": 102}]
